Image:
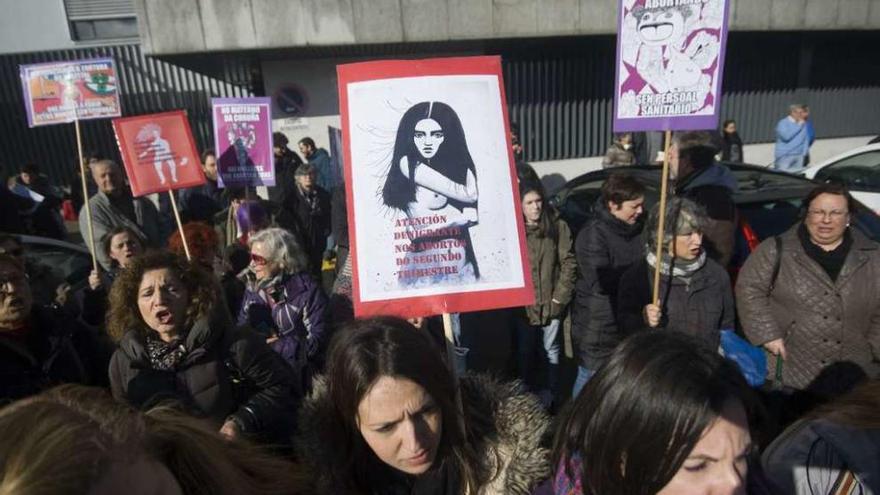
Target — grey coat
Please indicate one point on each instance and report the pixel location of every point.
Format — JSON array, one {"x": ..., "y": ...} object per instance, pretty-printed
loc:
[
  {"x": 822, "y": 322},
  {"x": 106, "y": 217}
]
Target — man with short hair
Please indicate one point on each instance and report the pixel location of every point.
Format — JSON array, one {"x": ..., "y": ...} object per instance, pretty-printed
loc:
[
  {"x": 306, "y": 213},
  {"x": 286, "y": 163},
  {"x": 701, "y": 179},
  {"x": 202, "y": 203},
  {"x": 41, "y": 347},
  {"x": 113, "y": 206},
  {"x": 792, "y": 140},
  {"x": 320, "y": 159}
]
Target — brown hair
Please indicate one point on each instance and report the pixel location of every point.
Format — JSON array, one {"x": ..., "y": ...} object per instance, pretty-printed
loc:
[
  {"x": 8, "y": 259},
  {"x": 698, "y": 148},
  {"x": 64, "y": 440},
  {"x": 859, "y": 409},
  {"x": 367, "y": 350},
  {"x": 202, "y": 288},
  {"x": 107, "y": 240},
  {"x": 830, "y": 188},
  {"x": 620, "y": 187},
  {"x": 201, "y": 239}
]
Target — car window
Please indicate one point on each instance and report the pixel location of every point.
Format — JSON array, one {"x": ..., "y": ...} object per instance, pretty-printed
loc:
[
  {"x": 859, "y": 172},
  {"x": 576, "y": 205},
  {"x": 66, "y": 264}
]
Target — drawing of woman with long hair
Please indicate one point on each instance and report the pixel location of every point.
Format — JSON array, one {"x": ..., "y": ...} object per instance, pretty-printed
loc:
[{"x": 432, "y": 179}]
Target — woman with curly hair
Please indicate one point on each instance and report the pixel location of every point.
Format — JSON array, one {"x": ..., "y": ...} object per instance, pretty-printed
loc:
[
  {"x": 75, "y": 439},
  {"x": 176, "y": 343}
]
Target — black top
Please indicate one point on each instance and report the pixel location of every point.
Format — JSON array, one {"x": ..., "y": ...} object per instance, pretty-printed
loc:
[{"x": 830, "y": 261}]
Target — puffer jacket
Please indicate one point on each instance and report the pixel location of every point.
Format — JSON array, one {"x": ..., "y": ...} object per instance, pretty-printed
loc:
[
  {"x": 293, "y": 310},
  {"x": 605, "y": 247},
  {"x": 553, "y": 272},
  {"x": 701, "y": 308},
  {"x": 822, "y": 322},
  {"x": 500, "y": 417},
  {"x": 261, "y": 403}
]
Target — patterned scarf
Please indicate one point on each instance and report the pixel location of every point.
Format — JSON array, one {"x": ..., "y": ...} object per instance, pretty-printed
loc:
[
  {"x": 683, "y": 269},
  {"x": 165, "y": 356}
]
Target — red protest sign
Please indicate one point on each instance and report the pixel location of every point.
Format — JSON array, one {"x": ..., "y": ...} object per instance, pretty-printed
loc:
[
  {"x": 433, "y": 206},
  {"x": 159, "y": 152}
]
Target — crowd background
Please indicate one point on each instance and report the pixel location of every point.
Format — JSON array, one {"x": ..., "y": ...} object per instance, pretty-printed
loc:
[{"x": 244, "y": 370}]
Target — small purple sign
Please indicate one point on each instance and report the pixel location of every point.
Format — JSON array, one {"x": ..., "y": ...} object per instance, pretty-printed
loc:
[
  {"x": 670, "y": 63},
  {"x": 243, "y": 141}
]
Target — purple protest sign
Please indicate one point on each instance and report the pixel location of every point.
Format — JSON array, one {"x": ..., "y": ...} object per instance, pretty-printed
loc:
[
  {"x": 243, "y": 142},
  {"x": 670, "y": 62}
]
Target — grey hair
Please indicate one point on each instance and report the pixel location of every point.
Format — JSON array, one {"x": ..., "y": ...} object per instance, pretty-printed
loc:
[
  {"x": 796, "y": 106},
  {"x": 281, "y": 247},
  {"x": 683, "y": 216}
]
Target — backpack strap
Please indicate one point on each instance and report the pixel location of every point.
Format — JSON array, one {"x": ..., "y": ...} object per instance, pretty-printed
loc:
[{"x": 777, "y": 262}]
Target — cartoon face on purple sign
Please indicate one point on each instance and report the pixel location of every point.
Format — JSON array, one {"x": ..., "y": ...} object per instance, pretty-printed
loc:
[
  {"x": 669, "y": 64},
  {"x": 243, "y": 135}
]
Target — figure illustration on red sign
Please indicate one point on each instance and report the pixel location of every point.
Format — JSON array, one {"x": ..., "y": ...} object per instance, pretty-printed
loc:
[
  {"x": 157, "y": 151},
  {"x": 149, "y": 139},
  {"x": 432, "y": 173}
]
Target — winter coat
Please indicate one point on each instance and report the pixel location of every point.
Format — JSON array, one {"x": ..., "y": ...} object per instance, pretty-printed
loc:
[
  {"x": 731, "y": 148},
  {"x": 328, "y": 178},
  {"x": 285, "y": 170},
  {"x": 713, "y": 188},
  {"x": 822, "y": 322},
  {"x": 553, "y": 272},
  {"x": 810, "y": 455},
  {"x": 605, "y": 248},
  {"x": 499, "y": 417},
  {"x": 293, "y": 310},
  {"x": 701, "y": 308},
  {"x": 219, "y": 355},
  {"x": 310, "y": 225},
  {"x": 618, "y": 156},
  {"x": 201, "y": 203},
  {"x": 54, "y": 350},
  {"x": 94, "y": 301},
  {"x": 106, "y": 217}
]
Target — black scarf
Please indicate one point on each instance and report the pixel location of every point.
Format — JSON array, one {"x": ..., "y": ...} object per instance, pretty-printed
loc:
[
  {"x": 165, "y": 356},
  {"x": 830, "y": 261},
  {"x": 441, "y": 481}
]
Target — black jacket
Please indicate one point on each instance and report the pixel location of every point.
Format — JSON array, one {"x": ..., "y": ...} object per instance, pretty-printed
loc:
[
  {"x": 202, "y": 203},
  {"x": 310, "y": 224},
  {"x": 701, "y": 308},
  {"x": 605, "y": 247},
  {"x": 713, "y": 188},
  {"x": 263, "y": 402},
  {"x": 55, "y": 350}
]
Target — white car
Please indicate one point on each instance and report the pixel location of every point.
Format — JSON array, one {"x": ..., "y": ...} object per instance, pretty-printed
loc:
[{"x": 857, "y": 169}]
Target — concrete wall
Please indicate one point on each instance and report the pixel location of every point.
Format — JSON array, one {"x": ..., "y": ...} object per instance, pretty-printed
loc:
[
  {"x": 186, "y": 26},
  {"x": 33, "y": 26}
]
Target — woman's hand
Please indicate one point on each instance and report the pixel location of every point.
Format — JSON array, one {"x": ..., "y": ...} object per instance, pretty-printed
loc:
[
  {"x": 652, "y": 315},
  {"x": 94, "y": 280},
  {"x": 777, "y": 348},
  {"x": 230, "y": 430}
]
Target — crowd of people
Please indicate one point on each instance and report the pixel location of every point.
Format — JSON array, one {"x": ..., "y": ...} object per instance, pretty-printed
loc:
[{"x": 228, "y": 360}]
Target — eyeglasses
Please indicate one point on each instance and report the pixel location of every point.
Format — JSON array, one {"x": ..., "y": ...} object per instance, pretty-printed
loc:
[
  {"x": 258, "y": 260},
  {"x": 822, "y": 214}
]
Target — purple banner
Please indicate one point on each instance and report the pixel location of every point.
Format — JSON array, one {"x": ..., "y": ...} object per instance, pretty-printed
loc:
[
  {"x": 670, "y": 62},
  {"x": 243, "y": 142}
]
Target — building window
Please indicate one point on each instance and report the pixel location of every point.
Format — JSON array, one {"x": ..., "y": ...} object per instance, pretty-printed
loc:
[{"x": 97, "y": 20}]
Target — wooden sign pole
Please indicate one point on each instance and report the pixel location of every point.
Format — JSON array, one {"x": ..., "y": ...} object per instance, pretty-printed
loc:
[
  {"x": 664, "y": 185},
  {"x": 83, "y": 171},
  {"x": 179, "y": 224}
]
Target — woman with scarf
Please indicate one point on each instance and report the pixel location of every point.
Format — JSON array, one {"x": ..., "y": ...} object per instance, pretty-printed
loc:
[
  {"x": 177, "y": 344},
  {"x": 283, "y": 302},
  {"x": 695, "y": 293}
]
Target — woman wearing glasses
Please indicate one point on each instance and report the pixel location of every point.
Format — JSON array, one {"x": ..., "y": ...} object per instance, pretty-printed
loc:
[
  {"x": 821, "y": 314},
  {"x": 283, "y": 302}
]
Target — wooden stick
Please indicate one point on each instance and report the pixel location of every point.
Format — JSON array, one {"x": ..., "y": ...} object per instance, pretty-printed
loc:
[
  {"x": 450, "y": 343},
  {"x": 82, "y": 171},
  {"x": 179, "y": 225},
  {"x": 664, "y": 185}
]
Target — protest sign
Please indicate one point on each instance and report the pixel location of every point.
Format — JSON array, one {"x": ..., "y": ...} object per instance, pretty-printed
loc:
[
  {"x": 670, "y": 61},
  {"x": 62, "y": 92},
  {"x": 243, "y": 140},
  {"x": 435, "y": 222},
  {"x": 159, "y": 152}
]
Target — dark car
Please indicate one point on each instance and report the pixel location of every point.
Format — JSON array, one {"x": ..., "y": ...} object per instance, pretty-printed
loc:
[{"x": 769, "y": 202}]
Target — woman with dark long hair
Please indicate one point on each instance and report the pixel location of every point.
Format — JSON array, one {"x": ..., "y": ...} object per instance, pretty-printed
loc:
[
  {"x": 665, "y": 415},
  {"x": 385, "y": 420},
  {"x": 432, "y": 180}
]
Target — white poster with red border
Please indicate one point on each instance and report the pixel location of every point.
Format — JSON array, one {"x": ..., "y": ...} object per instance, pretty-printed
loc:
[{"x": 433, "y": 205}]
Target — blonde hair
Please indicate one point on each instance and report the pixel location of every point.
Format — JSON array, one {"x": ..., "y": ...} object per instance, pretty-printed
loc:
[{"x": 64, "y": 440}]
